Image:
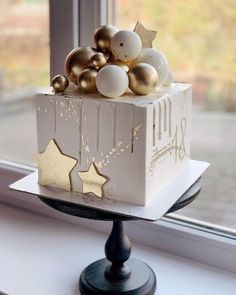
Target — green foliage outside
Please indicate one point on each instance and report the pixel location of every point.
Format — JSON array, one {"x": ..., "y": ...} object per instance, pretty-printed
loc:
[
  {"x": 197, "y": 36},
  {"x": 199, "y": 40}
]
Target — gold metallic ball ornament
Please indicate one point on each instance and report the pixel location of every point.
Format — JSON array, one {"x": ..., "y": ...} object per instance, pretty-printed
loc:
[
  {"x": 112, "y": 60},
  {"x": 87, "y": 80},
  {"x": 76, "y": 61},
  {"x": 102, "y": 37},
  {"x": 143, "y": 78},
  {"x": 156, "y": 59},
  {"x": 121, "y": 64},
  {"x": 98, "y": 60},
  {"x": 60, "y": 83}
]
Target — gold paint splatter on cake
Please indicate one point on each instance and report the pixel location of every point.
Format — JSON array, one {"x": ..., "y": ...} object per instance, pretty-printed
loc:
[
  {"x": 134, "y": 131},
  {"x": 87, "y": 149},
  {"x": 175, "y": 144},
  {"x": 99, "y": 165},
  {"x": 82, "y": 137},
  {"x": 115, "y": 152}
]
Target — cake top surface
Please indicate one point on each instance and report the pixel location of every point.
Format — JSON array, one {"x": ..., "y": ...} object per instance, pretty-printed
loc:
[{"x": 128, "y": 97}]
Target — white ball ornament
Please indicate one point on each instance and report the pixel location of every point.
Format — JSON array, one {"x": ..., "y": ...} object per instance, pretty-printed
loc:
[
  {"x": 156, "y": 59},
  {"x": 126, "y": 45},
  {"x": 169, "y": 80},
  {"x": 112, "y": 81}
]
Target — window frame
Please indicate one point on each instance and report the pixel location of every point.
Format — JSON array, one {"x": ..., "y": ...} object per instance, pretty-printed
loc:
[
  {"x": 180, "y": 235},
  {"x": 80, "y": 19}
]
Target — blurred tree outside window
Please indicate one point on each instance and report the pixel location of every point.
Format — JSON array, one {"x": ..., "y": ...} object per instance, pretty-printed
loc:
[
  {"x": 199, "y": 40},
  {"x": 24, "y": 70}
]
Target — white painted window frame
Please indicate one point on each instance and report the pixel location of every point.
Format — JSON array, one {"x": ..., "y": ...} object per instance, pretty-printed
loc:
[
  {"x": 72, "y": 23},
  {"x": 183, "y": 237}
]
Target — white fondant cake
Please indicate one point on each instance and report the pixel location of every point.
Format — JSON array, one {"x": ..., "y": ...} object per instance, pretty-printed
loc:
[{"x": 139, "y": 143}]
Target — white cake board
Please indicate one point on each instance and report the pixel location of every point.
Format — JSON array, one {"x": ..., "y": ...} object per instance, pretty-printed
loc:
[{"x": 151, "y": 212}]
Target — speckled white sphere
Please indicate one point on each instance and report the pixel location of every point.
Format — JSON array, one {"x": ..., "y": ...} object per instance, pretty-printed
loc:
[
  {"x": 156, "y": 59},
  {"x": 112, "y": 81},
  {"x": 126, "y": 45}
]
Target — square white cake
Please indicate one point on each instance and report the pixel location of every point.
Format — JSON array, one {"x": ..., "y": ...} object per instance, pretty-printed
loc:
[{"x": 139, "y": 143}]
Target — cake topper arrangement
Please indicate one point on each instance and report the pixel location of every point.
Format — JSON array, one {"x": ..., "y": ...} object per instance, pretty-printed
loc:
[{"x": 121, "y": 60}]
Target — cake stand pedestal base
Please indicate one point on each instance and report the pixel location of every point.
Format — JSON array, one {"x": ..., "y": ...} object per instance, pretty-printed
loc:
[
  {"x": 117, "y": 274},
  {"x": 93, "y": 279}
]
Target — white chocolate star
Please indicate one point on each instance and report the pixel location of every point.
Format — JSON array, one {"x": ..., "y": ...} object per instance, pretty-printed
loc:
[
  {"x": 55, "y": 167},
  {"x": 93, "y": 181},
  {"x": 146, "y": 36}
]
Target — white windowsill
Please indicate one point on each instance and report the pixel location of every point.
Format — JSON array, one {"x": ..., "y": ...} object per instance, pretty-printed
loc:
[
  {"x": 169, "y": 235},
  {"x": 42, "y": 255}
]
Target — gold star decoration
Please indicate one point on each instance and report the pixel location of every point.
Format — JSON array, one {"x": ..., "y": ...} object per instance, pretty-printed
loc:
[
  {"x": 145, "y": 35},
  {"x": 93, "y": 181},
  {"x": 55, "y": 167}
]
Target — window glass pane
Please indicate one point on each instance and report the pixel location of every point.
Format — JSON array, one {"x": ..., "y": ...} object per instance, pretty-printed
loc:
[
  {"x": 24, "y": 69},
  {"x": 199, "y": 40}
]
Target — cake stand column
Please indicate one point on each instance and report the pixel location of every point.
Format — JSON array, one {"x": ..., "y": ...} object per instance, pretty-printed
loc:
[
  {"x": 117, "y": 250},
  {"x": 117, "y": 274}
]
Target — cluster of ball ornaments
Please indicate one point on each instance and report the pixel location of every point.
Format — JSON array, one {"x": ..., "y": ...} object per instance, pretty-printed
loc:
[{"x": 118, "y": 63}]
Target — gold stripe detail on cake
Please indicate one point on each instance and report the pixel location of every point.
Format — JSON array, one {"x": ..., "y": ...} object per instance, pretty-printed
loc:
[
  {"x": 54, "y": 106},
  {"x": 132, "y": 129},
  {"x": 165, "y": 115},
  {"x": 176, "y": 144},
  {"x": 170, "y": 114},
  {"x": 98, "y": 126},
  {"x": 182, "y": 149},
  {"x": 162, "y": 112},
  {"x": 159, "y": 120},
  {"x": 154, "y": 126},
  {"x": 80, "y": 129}
]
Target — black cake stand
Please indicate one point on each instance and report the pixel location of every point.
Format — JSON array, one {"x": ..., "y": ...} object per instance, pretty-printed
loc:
[{"x": 117, "y": 274}]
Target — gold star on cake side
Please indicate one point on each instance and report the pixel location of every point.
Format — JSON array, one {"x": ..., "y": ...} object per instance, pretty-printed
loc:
[
  {"x": 145, "y": 35},
  {"x": 93, "y": 181},
  {"x": 55, "y": 167}
]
